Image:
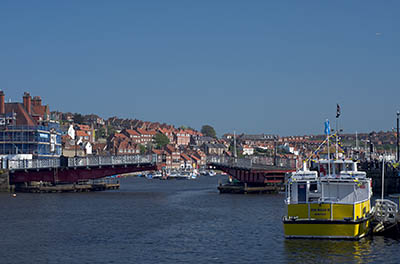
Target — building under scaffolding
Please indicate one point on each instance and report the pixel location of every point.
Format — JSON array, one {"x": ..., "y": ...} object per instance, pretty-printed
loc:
[
  {"x": 25, "y": 128},
  {"x": 40, "y": 141}
]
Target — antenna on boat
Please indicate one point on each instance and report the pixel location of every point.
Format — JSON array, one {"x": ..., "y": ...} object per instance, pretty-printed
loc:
[
  {"x": 327, "y": 132},
  {"x": 337, "y": 120}
]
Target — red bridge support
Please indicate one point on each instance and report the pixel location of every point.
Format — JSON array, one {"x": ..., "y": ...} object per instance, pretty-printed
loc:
[{"x": 256, "y": 176}]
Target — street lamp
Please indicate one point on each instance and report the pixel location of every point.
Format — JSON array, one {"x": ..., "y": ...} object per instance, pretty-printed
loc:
[{"x": 398, "y": 150}]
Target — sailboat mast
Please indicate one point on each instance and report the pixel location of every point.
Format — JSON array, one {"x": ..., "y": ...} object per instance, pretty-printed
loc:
[
  {"x": 234, "y": 144},
  {"x": 329, "y": 158},
  {"x": 337, "y": 154},
  {"x": 337, "y": 121},
  {"x": 383, "y": 178}
]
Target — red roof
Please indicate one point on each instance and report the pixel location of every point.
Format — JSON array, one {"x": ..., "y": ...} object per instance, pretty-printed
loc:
[
  {"x": 185, "y": 157},
  {"x": 119, "y": 135},
  {"x": 23, "y": 118},
  {"x": 132, "y": 132},
  {"x": 158, "y": 151},
  {"x": 146, "y": 132},
  {"x": 194, "y": 157},
  {"x": 84, "y": 127},
  {"x": 81, "y": 133}
]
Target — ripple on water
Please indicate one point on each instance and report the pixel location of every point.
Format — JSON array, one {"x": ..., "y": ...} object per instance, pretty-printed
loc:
[{"x": 153, "y": 221}]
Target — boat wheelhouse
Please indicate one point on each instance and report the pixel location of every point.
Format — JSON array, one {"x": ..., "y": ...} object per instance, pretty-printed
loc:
[{"x": 332, "y": 201}]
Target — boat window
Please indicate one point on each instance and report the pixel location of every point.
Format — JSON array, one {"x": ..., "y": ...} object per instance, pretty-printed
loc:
[
  {"x": 301, "y": 193},
  {"x": 338, "y": 168},
  {"x": 313, "y": 187},
  {"x": 323, "y": 169},
  {"x": 349, "y": 167}
]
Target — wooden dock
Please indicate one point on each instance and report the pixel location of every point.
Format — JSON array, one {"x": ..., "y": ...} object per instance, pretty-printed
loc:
[
  {"x": 243, "y": 188},
  {"x": 92, "y": 187}
]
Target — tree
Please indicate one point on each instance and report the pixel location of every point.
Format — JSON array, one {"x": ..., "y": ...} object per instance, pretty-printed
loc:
[
  {"x": 142, "y": 149},
  {"x": 78, "y": 118},
  {"x": 161, "y": 140},
  {"x": 110, "y": 130},
  {"x": 208, "y": 131},
  {"x": 101, "y": 133}
]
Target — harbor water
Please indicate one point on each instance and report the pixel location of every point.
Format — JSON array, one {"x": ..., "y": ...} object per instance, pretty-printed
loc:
[{"x": 156, "y": 221}]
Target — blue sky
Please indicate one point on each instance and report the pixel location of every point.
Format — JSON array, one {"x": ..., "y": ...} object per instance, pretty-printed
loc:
[{"x": 252, "y": 66}]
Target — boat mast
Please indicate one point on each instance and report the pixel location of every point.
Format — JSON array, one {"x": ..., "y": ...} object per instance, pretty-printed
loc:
[
  {"x": 234, "y": 144},
  {"x": 356, "y": 141},
  {"x": 383, "y": 178},
  {"x": 337, "y": 120}
]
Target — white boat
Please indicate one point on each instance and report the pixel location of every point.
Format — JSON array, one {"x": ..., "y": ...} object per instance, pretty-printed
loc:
[
  {"x": 212, "y": 173},
  {"x": 331, "y": 201},
  {"x": 157, "y": 175},
  {"x": 328, "y": 205}
]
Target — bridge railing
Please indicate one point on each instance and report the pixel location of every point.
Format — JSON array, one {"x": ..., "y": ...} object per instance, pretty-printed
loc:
[
  {"x": 251, "y": 162},
  {"x": 30, "y": 163},
  {"x": 231, "y": 162},
  {"x": 110, "y": 160},
  {"x": 21, "y": 164}
]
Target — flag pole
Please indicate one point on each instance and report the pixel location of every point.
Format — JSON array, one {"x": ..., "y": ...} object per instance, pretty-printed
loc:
[
  {"x": 329, "y": 158},
  {"x": 383, "y": 178},
  {"x": 328, "y": 132}
]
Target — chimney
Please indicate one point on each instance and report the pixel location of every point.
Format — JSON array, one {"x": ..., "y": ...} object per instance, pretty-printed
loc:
[
  {"x": 2, "y": 105},
  {"x": 37, "y": 101},
  {"x": 27, "y": 102},
  {"x": 46, "y": 112}
]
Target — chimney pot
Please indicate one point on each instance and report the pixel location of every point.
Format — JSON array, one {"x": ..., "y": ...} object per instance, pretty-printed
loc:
[{"x": 2, "y": 104}]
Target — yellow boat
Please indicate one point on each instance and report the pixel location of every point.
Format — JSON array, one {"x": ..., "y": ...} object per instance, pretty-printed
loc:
[{"x": 328, "y": 205}]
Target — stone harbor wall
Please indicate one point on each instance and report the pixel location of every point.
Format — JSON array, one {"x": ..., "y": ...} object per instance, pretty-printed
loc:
[{"x": 4, "y": 180}]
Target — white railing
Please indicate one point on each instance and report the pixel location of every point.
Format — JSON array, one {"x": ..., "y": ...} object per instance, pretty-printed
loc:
[
  {"x": 30, "y": 163},
  {"x": 77, "y": 162},
  {"x": 110, "y": 160},
  {"x": 247, "y": 163},
  {"x": 230, "y": 162},
  {"x": 385, "y": 211}
]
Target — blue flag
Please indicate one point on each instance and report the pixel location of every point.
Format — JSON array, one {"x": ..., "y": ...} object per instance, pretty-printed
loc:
[{"x": 327, "y": 127}]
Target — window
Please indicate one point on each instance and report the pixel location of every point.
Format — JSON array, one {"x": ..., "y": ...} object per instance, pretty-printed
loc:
[
  {"x": 301, "y": 192},
  {"x": 313, "y": 187}
]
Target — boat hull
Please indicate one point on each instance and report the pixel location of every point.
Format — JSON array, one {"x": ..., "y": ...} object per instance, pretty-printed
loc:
[{"x": 326, "y": 229}]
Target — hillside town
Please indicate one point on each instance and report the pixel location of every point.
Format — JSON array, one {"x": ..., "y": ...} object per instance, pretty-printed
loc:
[{"x": 30, "y": 129}]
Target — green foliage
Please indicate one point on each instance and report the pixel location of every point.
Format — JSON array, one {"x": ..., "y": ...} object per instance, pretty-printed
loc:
[
  {"x": 231, "y": 149},
  {"x": 101, "y": 133},
  {"x": 263, "y": 152},
  {"x": 161, "y": 140},
  {"x": 110, "y": 130},
  {"x": 78, "y": 118},
  {"x": 208, "y": 131},
  {"x": 142, "y": 149}
]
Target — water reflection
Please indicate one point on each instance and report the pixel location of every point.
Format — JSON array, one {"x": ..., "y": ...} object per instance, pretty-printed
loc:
[{"x": 328, "y": 251}]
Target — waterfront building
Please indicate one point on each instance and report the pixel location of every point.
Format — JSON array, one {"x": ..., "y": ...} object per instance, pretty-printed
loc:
[
  {"x": 214, "y": 149},
  {"x": 25, "y": 128},
  {"x": 182, "y": 137},
  {"x": 146, "y": 136},
  {"x": 248, "y": 150}
]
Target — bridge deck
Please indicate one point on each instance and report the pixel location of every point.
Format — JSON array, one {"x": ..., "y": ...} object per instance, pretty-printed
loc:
[
  {"x": 70, "y": 170},
  {"x": 248, "y": 171}
]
